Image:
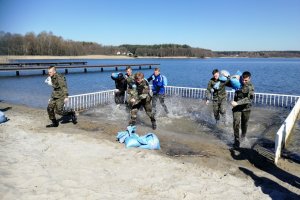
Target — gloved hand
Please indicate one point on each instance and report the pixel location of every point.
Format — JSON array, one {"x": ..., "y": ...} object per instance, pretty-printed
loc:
[
  {"x": 48, "y": 81},
  {"x": 133, "y": 86}
]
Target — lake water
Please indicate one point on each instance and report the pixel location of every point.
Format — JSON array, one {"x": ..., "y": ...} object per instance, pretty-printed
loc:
[{"x": 276, "y": 75}]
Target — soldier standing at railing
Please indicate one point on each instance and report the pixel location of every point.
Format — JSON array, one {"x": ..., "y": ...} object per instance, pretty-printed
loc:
[
  {"x": 242, "y": 107},
  {"x": 58, "y": 98}
]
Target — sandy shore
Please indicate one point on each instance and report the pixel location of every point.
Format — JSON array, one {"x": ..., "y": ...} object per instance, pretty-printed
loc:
[{"x": 84, "y": 161}]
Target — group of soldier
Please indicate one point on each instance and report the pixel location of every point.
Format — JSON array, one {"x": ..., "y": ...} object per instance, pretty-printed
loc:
[
  {"x": 139, "y": 95},
  {"x": 241, "y": 105}
]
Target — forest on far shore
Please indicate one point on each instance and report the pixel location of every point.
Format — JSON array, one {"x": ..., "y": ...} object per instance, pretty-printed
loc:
[{"x": 45, "y": 43}]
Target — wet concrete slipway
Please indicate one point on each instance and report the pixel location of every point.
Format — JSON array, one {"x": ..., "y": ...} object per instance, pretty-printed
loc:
[{"x": 189, "y": 133}]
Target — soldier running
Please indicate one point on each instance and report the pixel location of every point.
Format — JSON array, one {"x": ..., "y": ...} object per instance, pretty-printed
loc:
[
  {"x": 58, "y": 98},
  {"x": 216, "y": 91},
  {"x": 242, "y": 107},
  {"x": 140, "y": 97}
]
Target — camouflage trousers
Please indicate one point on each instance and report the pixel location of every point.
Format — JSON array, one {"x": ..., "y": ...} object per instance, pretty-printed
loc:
[
  {"x": 219, "y": 107},
  {"x": 57, "y": 106},
  {"x": 161, "y": 98},
  {"x": 135, "y": 108},
  {"x": 240, "y": 118}
]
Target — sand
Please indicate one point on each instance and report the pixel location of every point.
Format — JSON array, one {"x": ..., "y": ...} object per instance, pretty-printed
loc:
[{"x": 84, "y": 161}]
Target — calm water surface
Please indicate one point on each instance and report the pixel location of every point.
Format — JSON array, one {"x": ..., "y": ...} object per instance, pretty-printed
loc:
[{"x": 268, "y": 75}]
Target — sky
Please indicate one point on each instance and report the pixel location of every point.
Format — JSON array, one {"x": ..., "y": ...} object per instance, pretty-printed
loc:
[{"x": 218, "y": 25}]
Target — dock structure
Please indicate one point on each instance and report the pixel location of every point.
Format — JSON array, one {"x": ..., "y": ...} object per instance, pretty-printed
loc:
[
  {"x": 24, "y": 64},
  {"x": 85, "y": 68}
]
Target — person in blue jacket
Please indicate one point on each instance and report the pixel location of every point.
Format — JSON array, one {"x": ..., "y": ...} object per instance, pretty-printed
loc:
[{"x": 158, "y": 89}]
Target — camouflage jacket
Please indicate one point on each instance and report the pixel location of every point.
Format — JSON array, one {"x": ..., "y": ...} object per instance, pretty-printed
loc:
[
  {"x": 59, "y": 84},
  {"x": 216, "y": 89},
  {"x": 130, "y": 82},
  {"x": 141, "y": 91},
  {"x": 244, "y": 97}
]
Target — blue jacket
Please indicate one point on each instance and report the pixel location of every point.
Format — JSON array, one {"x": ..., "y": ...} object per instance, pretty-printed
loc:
[{"x": 157, "y": 84}]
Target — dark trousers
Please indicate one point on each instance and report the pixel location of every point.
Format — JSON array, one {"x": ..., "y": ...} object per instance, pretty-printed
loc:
[
  {"x": 240, "y": 118},
  {"x": 57, "y": 106},
  {"x": 119, "y": 97},
  {"x": 161, "y": 98}
]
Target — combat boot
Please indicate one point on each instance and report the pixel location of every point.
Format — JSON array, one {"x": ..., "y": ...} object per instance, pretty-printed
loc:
[
  {"x": 153, "y": 125},
  {"x": 54, "y": 124},
  {"x": 73, "y": 117},
  {"x": 236, "y": 144}
]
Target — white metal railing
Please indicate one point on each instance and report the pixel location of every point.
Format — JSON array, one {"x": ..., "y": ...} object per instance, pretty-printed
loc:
[
  {"x": 277, "y": 100},
  {"x": 86, "y": 101},
  {"x": 285, "y": 130},
  {"x": 89, "y": 100}
]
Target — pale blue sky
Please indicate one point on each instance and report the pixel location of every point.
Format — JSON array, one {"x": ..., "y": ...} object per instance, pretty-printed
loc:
[{"x": 229, "y": 25}]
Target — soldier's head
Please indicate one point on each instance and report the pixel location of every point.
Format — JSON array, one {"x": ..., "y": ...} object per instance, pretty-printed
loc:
[
  {"x": 138, "y": 77},
  {"x": 51, "y": 70},
  {"x": 246, "y": 76},
  {"x": 128, "y": 71},
  {"x": 216, "y": 74},
  {"x": 156, "y": 71}
]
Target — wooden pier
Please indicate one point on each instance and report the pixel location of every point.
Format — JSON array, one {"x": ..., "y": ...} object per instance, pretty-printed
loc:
[
  {"x": 85, "y": 68},
  {"x": 23, "y": 64}
]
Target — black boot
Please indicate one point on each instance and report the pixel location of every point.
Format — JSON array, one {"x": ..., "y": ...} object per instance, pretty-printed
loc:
[
  {"x": 153, "y": 125},
  {"x": 54, "y": 124},
  {"x": 236, "y": 144},
  {"x": 73, "y": 117}
]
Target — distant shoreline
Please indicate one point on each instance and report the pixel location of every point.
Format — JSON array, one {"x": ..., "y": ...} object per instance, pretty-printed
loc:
[{"x": 6, "y": 59}]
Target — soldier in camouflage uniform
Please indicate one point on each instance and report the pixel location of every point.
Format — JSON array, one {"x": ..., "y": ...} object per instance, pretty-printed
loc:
[
  {"x": 130, "y": 82},
  {"x": 140, "y": 97},
  {"x": 59, "y": 96},
  {"x": 216, "y": 91},
  {"x": 242, "y": 107}
]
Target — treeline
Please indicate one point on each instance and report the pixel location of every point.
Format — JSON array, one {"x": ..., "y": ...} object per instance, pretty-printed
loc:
[
  {"x": 258, "y": 54},
  {"x": 165, "y": 50},
  {"x": 45, "y": 43},
  {"x": 48, "y": 44}
]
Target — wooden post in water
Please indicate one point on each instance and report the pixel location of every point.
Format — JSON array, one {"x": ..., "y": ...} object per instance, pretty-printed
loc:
[
  {"x": 101, "y": 69},
  {"x": 44, "y": 72},
  {"x": 116, "y": 68},
  {"x": 85, "y": 70},
  {"x": 149, "y": 66},
  {"x": 66, "y": 71},
  {"x": 17, "y": 73},
  {"x": 140, "y": 67}
]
